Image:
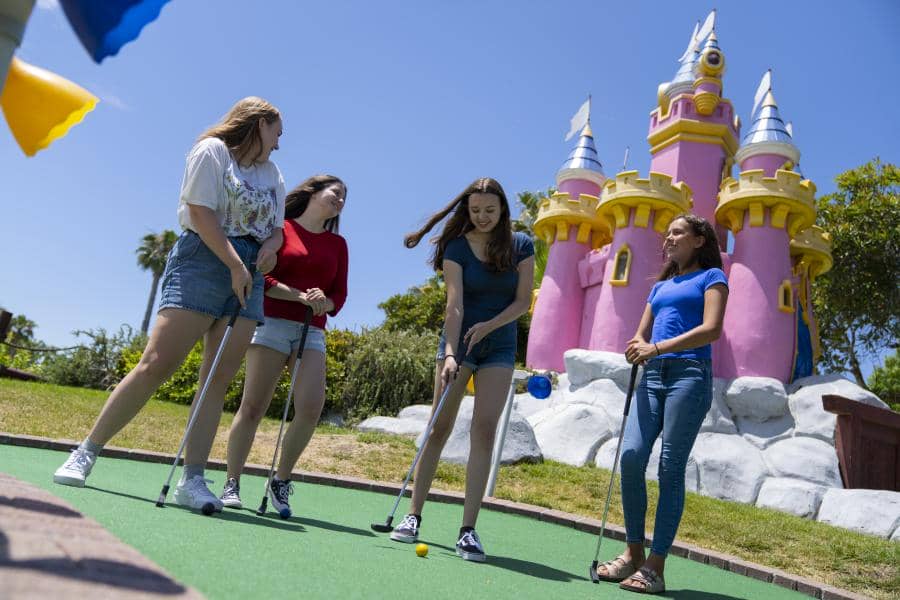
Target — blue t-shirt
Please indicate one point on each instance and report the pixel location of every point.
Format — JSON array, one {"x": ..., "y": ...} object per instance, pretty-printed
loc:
[
  {"x": 487, "y": 293},
  {"x": 677, "y": 306}
]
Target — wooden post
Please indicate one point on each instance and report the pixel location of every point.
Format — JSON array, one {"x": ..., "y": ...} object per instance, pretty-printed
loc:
[
  {"x": 867, "y": 440},
  {"x": 5, "y": 320}
]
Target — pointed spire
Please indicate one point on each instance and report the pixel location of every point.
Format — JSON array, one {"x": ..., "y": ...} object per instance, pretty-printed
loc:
[
  {"x": 584, "y": 155},
  {"x": 684, "y": 77},
  {"x": 768, "y": 126},
  {"x": 712, "y": 41}
]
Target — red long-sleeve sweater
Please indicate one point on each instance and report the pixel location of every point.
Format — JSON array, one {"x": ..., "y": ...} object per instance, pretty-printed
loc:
[{"x": 308, "y": 260}]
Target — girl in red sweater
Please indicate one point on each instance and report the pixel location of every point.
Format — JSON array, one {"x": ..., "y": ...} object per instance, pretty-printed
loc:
[{"x": 311, "y": 272}]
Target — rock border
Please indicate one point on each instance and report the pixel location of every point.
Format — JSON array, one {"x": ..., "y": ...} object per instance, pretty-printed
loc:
[{"x": 726, "y": 562}]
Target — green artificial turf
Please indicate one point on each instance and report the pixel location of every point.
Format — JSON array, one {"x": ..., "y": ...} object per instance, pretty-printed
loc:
[{"x": 329, "y": 551}]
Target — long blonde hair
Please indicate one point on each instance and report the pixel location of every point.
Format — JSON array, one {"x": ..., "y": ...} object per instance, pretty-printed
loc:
[{"x": 239, "y": 128}]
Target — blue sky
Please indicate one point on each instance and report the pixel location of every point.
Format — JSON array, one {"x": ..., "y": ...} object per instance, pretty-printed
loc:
[{"x": 408, "y": 102}]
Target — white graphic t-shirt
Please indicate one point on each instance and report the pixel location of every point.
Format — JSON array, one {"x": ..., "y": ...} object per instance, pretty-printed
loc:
[{"x": 248, "y": 201}]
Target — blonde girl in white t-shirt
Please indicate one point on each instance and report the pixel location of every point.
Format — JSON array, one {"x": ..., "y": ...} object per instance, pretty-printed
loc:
[{"x": 232, "y": 211}]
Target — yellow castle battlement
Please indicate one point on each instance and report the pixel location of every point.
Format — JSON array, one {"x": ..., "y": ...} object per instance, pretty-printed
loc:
[
  {"x": 657, "y": 193},
  {"x": 813, "y": 248},
  {"x": 558, "y": 213},
  {"x": 789, "y": 198}
]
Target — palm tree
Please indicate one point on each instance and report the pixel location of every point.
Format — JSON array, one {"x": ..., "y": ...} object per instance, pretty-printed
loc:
[{"x": 152, "y": 255}]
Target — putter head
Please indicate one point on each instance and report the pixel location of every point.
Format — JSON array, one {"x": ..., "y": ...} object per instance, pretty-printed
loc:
[
  {"x": 594, "y": 577},
  {"x": 262, "y": 506},
  {"x": 385, "y": 527}
]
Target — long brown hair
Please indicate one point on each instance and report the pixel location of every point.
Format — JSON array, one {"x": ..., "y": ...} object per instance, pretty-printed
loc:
[
  {"x": 706, "y": 256},
  {"x": 239, "y": 128},
  {"x": 297, "y": 200},
  {"x": 499, "y": 246}
]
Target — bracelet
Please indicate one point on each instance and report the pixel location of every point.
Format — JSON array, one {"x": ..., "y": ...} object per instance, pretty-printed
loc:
[
  {"x": 657, "y": 348},
  {"x": 446, "y": 356}
]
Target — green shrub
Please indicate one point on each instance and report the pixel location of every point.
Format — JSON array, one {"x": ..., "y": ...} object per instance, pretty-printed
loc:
[
  {"x": 387, "y": 370},
  {"x": 182, "y": 386},
  {"x": 95, "y": 365}
]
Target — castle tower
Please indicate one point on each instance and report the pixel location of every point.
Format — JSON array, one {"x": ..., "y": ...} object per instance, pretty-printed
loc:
[
  {"x": 694, "y": 131},
  {"x": 764, "y": 209},
  {"x": 569, "y": 223},
  {"x": 811, "y": 254},
  {"x": 638, "y": 212}
]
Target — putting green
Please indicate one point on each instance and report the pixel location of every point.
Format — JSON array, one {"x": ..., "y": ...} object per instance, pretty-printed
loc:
[{"x": 329, "y": 551}]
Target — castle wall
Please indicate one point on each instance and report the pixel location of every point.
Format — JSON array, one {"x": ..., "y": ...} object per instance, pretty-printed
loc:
[{"x": 758, "y": 338}]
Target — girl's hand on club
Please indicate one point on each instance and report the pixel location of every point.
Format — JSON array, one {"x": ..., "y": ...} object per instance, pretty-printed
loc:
[
  {"x": 241, "y": 283},
  {"x": 449, "y": 372},
  {"x": 265, "y": 259},
  {"x": 317, "y": 300},
  {"x": 639, "y": 352},
  {"x": 476, "y": 333}
]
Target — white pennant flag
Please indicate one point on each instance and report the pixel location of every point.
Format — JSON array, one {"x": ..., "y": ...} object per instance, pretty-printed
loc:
[
  {"x": 709, "y": 25},
  {"x": 765, "y": 85},
  {"x": 790, "y": 128},
  {"x": 692, "y": 44},
  {"x": 580, "y": 119}
]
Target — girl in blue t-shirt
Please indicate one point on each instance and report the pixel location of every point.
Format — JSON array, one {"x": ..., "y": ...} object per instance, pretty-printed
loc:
[
  {"x": 489, "y": 272},
  {"x": 683, "y": 316}
]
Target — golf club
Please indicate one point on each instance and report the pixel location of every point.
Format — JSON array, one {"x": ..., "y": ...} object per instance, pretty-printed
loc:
[
  {"x": 387, "y": 525},
  {"x": 208, "y": 508},
  {"x": 285, "y": 513},
  {"x": 595, "y": 577}
]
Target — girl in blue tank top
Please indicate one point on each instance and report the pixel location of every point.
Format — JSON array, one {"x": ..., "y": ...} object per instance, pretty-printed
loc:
[
  {"x": 489, "y": 272},
  {"x": 684, "y": 314}
]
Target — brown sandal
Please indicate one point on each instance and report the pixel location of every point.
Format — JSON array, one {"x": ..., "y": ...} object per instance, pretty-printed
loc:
[
  {"x": 649, "y": 582},
  {"x": 616, "y": 570}
]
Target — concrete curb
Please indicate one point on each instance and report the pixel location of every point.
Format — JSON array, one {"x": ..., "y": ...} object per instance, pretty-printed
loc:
[{"x": 726, "y": 562}]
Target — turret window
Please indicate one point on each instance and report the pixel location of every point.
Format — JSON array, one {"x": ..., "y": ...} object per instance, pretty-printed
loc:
[
  {"x": 621, "y": 266},
  {"x": 786, "y": 297}
]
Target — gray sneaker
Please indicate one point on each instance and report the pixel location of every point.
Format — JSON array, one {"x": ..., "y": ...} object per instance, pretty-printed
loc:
[
  {"x": 231, "y": 495},
  {"x": 469, "y": 547},
  {"x": 76, "y": 468},
  {"x": 407, "y": 531}
]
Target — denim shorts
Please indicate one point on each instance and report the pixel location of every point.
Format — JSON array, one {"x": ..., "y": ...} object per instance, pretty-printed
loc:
[
  {"x": 284, "y": 335},
  {"x": 486, "y": 353},
  {"x": 195, "y": 279}
]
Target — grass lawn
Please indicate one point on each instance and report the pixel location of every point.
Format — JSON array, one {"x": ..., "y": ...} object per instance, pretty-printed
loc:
[{"x": 860, "y": 563}]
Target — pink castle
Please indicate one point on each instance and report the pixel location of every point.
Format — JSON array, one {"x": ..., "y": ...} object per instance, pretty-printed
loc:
[{"x": 605, "y": 235}]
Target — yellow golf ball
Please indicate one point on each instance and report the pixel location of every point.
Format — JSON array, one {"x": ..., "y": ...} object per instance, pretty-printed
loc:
[{"x": 422, "y": 550}]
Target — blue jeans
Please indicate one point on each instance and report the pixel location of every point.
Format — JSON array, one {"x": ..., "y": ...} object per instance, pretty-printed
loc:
[{"x": 673, "y": 398}]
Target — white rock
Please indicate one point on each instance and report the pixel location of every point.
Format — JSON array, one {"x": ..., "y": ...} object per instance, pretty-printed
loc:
[
  {"x": 607, "y": 452},
  {"x": 526, "y": 404},
  {"x": 756, "y": 398},
  {"x": 393, "y": 425},
  {"x": 804, "y": 458},
  {"x": 766, "y": 433},
  {"x": 718, "y": 419},
  {"x": 806, "y": 403},
  {"x": 874, "y": 512},
  {"x": 729, "y": 467},
  {"x": 417, "y": 412},
  {"x": 832, "y": 383},
  {"x": 520, "y": 444},
  {"x": 573, "y": 433},
  {"x": 792, "y": 496},
  {"x": 584, "y": 366},
  {"x": 603, "y": 393}
]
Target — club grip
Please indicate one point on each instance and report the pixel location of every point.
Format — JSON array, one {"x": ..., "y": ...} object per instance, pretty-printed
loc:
[{"x": 631, "y": 382}]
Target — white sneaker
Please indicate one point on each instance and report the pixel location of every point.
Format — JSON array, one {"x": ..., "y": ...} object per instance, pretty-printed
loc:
[
  {"x": 407, "y": 531},
  {"x": 279, "y": 491},
  {"x": 76, "y": 468},
  {"x": 231, "y": 495},
  {"x": 469, "y": 547},
  {"x": 193, "y": 493}
]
